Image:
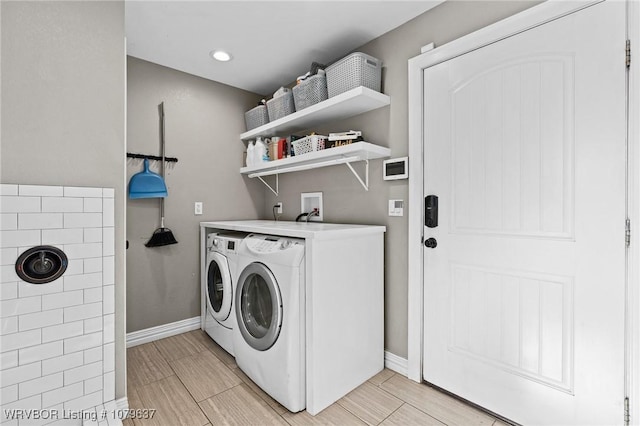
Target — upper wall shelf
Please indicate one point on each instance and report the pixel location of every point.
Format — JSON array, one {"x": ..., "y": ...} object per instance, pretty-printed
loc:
[
  {"x": 353, "y": 102},
  {"x": 347, "y": 154}
]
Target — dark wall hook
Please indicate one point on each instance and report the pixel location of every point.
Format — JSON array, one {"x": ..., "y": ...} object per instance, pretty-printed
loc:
[{"x": 152, "y": 157}]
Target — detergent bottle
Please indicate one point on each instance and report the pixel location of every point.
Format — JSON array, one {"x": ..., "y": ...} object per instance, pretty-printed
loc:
[
  {"x": 260, "y": 153},
  {"x": 250, "y": 154}
]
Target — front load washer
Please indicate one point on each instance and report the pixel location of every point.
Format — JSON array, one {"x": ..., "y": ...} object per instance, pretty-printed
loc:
[
  {"x": 219, "y": 284},
  {"x": 269, "y": 338}
]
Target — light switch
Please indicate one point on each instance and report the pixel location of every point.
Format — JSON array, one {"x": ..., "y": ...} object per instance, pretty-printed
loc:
[
  {"x": 197, "y": 208},
  {"x": 396, "y": 207}
]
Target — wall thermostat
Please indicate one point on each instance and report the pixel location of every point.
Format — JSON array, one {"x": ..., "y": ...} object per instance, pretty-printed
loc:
[{"x": 395, "y": 168}]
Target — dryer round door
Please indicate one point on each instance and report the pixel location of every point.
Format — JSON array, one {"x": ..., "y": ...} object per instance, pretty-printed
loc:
[
  {"x": 258, "y": 306},
  {"x": 219, "y": 289}
]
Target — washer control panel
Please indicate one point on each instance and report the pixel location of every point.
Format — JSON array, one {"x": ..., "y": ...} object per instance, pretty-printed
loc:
[{"x": 227, "y": 243}]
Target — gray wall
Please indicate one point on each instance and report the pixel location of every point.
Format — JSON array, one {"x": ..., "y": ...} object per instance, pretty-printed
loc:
[
  {"x": 203, "y": 121},
  {"x": 345, "y": 201},
  {"x": 63, "y": 100}
]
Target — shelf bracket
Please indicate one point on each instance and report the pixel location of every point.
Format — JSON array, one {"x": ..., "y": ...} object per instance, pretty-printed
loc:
[
  {"x": 269, "y": 186},
  {"x": 365, "y": 183}
]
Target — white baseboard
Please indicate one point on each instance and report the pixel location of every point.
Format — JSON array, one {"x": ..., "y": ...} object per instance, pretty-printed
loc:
[
  {"x": 122, "y": 403},
  {"x": 147, "y": 335},
  {"x": 396, "y": 363}
]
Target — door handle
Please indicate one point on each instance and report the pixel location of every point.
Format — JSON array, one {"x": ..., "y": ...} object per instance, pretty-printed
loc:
[
  {"x": 431, "y": 211},
  {"x": 431, "y": 243}
]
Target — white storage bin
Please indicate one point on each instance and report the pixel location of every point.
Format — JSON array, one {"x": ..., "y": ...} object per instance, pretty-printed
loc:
[{"x": 308, "y": 144}]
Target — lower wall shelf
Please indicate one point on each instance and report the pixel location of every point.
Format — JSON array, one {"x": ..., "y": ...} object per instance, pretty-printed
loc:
[{"x": 347, "y": 154}]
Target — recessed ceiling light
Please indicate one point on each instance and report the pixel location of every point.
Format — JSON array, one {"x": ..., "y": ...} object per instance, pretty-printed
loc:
[{"x": 220, "y": 55}]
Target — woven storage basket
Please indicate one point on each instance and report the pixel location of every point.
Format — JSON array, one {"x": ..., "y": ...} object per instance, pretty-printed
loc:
[
  {"x": 310, "y": 91},
  {"x": 309, "y": 144},
  {"x": 280, "y": 106},
  {"x": 357, "y": 69},
  {"x": 256, "y": 117}
]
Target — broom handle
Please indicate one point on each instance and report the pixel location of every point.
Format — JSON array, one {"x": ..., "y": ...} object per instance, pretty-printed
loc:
[{"x": 162, "y": 164}]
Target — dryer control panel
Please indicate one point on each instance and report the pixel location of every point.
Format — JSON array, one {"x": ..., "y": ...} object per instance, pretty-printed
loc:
[{"x": 269, "y": 243}]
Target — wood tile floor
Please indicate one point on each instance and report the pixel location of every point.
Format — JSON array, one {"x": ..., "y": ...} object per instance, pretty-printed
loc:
[{"x": 192, "y": 381}]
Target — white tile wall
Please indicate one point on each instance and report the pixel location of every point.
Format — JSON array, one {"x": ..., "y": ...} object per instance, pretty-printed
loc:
[
  {"x": 62, "y": 363},
  {"x": 62, "y": 300},
  {"x": 39, "y": 319},
  {"x": 38, "y": 190},
  {"x": 84, "y": 281},
  {"x": 8, "y": 221},
  {"x": 8, "y": 291},
  {"x": 9, "y": 360},
  {"x": 64, "y": 205},
  {"x": 40, "y": 352},
  {"x": 82, "y": 220},
  {"x": 62, "y": 236},
  {"x": 56, "y": 339},
  {"x": 93, "y": 355},
  {"x": 80, "y": 343},
  {"x": 9, "y": 255},
  {"x": 92, "y": 235},
  {"x": 92, "y": 265},
  {"x": 66, "y": 393},
  {"x": 8, "y": 189},
  {"x": 63, "y": 331},
  {"x": 39, "y": 220},
  {"x": 8, "y": 325}
]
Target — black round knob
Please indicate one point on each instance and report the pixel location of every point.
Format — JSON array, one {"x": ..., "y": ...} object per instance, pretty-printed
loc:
[{"x": 431, "y": 243}]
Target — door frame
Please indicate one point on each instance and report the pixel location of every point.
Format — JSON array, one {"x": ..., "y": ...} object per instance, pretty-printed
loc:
[{"x": 535, "y": 16}]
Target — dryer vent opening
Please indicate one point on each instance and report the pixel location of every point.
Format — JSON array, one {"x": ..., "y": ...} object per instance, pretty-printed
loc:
[{"x": 41, "y": 264}]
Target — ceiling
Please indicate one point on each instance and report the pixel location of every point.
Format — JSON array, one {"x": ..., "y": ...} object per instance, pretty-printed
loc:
[{"x": 272, "y": 42}]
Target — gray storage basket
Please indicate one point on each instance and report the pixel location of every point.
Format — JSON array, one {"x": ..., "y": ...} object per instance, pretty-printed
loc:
[
  {"x": 310, "y": 91},
  {"x": 256, "y": 117},
  {"x": 280, "y": 106},
  {"x": 357, "y": 69}
]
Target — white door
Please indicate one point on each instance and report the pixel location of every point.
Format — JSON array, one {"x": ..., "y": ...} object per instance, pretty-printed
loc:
[{"x": 524, "y": 292}]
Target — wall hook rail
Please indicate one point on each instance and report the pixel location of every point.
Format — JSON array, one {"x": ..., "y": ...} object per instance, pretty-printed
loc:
[{"x": 152, "y": 157}]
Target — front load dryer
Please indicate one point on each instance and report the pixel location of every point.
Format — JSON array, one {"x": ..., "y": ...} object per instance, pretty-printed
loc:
[
  {"x": 219, "y": 285},
  {"x": 269, "y": 339}
]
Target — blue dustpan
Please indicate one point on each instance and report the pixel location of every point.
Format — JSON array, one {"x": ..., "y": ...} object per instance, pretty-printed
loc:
[{"x": 147, "y": 184}]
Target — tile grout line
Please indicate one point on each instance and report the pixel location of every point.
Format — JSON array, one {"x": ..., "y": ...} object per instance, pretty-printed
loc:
[
  {"x": 257, "y": 394},
  {"x": 354, "y": 414},
  {"x": 183, "y": 384},
  {"x": 410, "y": 404},
  {"x": 391, "y": 414}
]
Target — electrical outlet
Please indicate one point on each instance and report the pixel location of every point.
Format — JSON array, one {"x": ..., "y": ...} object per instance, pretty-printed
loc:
[
  {"x": 279, "y": 207},
  {"x": 197, "y": 208}
]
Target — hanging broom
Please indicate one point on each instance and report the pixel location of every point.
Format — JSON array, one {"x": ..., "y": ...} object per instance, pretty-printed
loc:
[{"x": 162, "y": 236}]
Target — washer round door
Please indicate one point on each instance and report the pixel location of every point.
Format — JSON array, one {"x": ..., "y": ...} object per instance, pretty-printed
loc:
[
  {"x": 219, "y": 289},
  {"x": 258, "y": 306}
]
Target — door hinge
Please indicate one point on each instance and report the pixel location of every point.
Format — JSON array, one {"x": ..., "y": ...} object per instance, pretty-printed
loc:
[
  {"x": 627, "y": 415},
  {"x": 628, "y": 53},
  {"x": 627, "y": 232}
]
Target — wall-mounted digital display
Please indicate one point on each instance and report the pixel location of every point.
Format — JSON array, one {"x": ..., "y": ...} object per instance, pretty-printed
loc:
[{"x": 395, "y": 168}]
